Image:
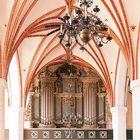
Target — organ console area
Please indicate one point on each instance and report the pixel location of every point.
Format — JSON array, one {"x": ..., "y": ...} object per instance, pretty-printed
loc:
[{"x": 66, "y": 96}]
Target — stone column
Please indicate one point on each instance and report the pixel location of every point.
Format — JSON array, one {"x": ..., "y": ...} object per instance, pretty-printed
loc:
[
  {"x": 16, "y": 125},
  {"x": 2, "y": 108},
  {"x": 119, "y": 122},
  {"x": 135, "y": 87}
]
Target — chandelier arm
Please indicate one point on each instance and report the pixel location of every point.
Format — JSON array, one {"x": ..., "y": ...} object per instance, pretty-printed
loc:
[
  {"x": 52, "y": 25},
  {"x": 76, "y": 39},
  {"x": 101, "y": 35},
  {"x": 105, "y": 42},
  {"x": 63, "y": 36},
  {"x": 62, "y": 19},
  {"x": 53, "y": 32}
]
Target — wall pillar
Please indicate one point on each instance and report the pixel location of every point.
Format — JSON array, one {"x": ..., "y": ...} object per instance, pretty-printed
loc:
[
  {"x": 16, "y": 125},
  {"x": 135, "y": 87},
  {"x": 119, "y": 122},
  {"x": 2, "y": 108}
]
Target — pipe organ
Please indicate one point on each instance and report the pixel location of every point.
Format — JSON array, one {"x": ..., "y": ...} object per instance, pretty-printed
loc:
[
  {"x": 90, "y": 90},
  {"x": 47, "y": 101},
  {"x": 68, "y": 100}
]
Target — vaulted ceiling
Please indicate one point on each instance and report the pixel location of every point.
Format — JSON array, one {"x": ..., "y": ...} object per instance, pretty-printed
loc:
[{"x": 23, "y": 32}]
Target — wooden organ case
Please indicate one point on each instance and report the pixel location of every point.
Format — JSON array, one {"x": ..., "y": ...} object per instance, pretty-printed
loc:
[{"x": 68, "y": 97}]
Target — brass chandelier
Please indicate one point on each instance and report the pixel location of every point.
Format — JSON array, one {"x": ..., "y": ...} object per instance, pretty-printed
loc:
[{"x": 79, "y": 25}]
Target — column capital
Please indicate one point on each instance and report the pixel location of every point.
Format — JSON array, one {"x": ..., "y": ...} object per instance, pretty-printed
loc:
[
  {"x": 3, "y": 83},
  {"x": 135, "y": 84},
  {"x": 119, "y": 108}
]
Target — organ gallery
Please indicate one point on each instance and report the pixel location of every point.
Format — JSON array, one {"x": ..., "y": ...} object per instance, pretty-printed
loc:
[{"x": 67, "y": 95}]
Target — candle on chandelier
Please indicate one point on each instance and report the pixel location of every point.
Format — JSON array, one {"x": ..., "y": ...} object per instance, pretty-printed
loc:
[
  {"x": 67, "y": 10},
  {"x": 109, "y": 31},
  {"x": 70, "y": 20},
  {"x": 74, "y": 13},
  {"x": 78, "y": 3},
  {"x": 61, "y": 28}
]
